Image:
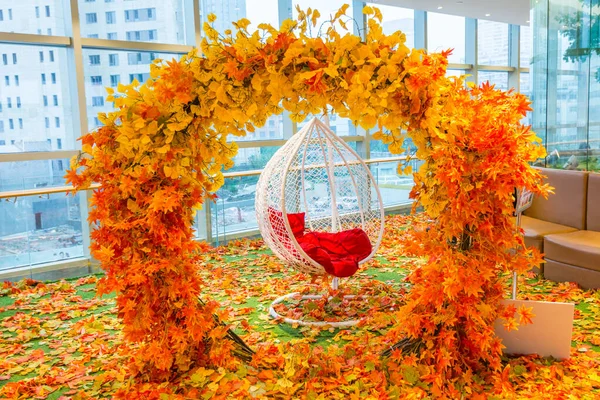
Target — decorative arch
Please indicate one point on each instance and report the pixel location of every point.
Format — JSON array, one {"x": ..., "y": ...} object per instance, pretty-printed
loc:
[{"x": 160, "y": 154}]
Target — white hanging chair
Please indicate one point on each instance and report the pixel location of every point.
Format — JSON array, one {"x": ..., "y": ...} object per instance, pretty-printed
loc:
[{"x": 318, "y": 207}]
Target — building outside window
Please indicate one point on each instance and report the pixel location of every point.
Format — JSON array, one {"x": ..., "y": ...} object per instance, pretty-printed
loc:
[
  {"x": 114, "y": 80},
  {"x": 55, "y": 99},
  {"x": 53, "y": 77},
  {"x": 16, "y": 80},
  {"x": 97, "y": 101},
  {"x": 91, "y": 18},
  {"x": 111, "y": 35},
  {"x": 95, "y": 60},
  {"x": 96, "y": 80},
  {"x": 111, "y": 17},
  {"x": 43, "y": 79},
  {"x": 113, "y": 60}
]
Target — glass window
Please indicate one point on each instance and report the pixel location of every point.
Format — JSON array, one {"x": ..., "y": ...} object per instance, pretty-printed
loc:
[
  {"x": 497, "y": 78},
  {"x": 93, "y": 36},
  {"x": 492, "y": 43},
  {"x": 446, "y": 32},
  {"x": 327, "y": 8},
  {"x": 97, "y": 77},
  {"x": 14, "y": 58},
  {"x": 111, "y": 35},
  {"x": 41, "y": 56},
  {"x": 398, "y": 19},
  {"x": 94, "y": 59},
  {"x": 164, "y": 18},
  {"x": 8, "y": 102},
  {"x": 33, "y": 101},
  {"x": 53, "y": 78},
  {"x": 16, "y": 80},
  {"x": 57, "y": 125},
  {"x": 11, "y": 124},
  {"x": 4, "y": 59},
  {"x": 7, "y": 80},
  {"x": 51, "y": 54},
  {"x": 55, "y": 99},
  {"x": 23, "y": 20},
  {"x": 525, "y": 45},
  {"x": 524, "y": 83},
  {"x": 20, "y": 123}
]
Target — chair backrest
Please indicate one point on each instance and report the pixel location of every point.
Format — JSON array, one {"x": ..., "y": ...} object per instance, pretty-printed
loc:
[
  {"x": 593, "y": 202},
  {"x": 568, "y": 205}
]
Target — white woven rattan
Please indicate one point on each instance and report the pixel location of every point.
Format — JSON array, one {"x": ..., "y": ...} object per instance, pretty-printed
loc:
[{"x": 317, "y": 173}]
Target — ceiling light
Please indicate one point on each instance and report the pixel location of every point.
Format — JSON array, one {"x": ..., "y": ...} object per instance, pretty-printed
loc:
[
  {"x": 527, "y": 21},
  {"x": 440, "y": 7},
  {"x": 487, "y": 15}
]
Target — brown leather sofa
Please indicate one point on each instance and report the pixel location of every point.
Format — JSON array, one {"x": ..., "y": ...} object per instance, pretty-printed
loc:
[{"x": 566, "y": 227}]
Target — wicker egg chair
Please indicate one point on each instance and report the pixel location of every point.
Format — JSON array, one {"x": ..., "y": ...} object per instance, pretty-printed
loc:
[{"x": 318, "y": 208}]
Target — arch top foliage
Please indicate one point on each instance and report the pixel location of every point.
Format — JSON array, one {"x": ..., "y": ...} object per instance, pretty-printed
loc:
[{"x": 161, "y": 152}]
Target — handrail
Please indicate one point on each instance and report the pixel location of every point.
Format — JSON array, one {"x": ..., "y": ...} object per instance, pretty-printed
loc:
[{"x": 12, "y": 194}]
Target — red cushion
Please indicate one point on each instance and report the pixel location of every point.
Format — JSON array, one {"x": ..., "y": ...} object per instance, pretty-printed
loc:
[
  {"x": 296, "y": 221},
  {"x": 345, "y": 250}
]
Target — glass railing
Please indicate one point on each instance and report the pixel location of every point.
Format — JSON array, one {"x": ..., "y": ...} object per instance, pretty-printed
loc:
[
  {"x": 42, "y": 224},
  {"x": 40, "y": 229}
]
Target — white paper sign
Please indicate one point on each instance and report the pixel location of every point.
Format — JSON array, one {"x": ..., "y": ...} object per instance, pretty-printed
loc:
[{"x": 549, "y": 334}]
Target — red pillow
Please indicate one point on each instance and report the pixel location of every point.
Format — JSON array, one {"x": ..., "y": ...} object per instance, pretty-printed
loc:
[{"x": 296, "y": 221}]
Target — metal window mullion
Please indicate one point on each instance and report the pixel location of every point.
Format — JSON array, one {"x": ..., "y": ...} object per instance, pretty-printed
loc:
[
  {"x": 471, "y": 44},
  {"x": 88, "y": 43},
  {"x": 514, "y": 52},
  {"x": 40, "y": 40},
  {"x": 79, "y": 112}
]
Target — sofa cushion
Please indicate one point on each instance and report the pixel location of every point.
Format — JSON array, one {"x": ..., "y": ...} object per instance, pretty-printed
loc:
[
  {"x": 580, "y": 248},
  {"x": 561, "y": 272},
  {"x": 567, "y": 205},
  {"x": 535, "y": 230},
  {"x": 593, "y": 203}
]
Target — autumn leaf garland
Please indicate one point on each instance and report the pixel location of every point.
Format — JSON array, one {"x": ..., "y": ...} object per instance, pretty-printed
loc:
[{"x": 161, "y": 153}]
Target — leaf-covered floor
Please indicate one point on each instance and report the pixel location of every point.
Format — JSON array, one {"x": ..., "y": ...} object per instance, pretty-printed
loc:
[{"x": 57, "y": 340}]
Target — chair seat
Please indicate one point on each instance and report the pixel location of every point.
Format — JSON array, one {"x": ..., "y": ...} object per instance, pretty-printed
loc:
[
  {"x": 535, "y": 230},
  {"x": 580, "y": 248}
]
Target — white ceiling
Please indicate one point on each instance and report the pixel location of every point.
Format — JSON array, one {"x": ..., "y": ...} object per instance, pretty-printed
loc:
[{"x": 509, "y": 11}]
